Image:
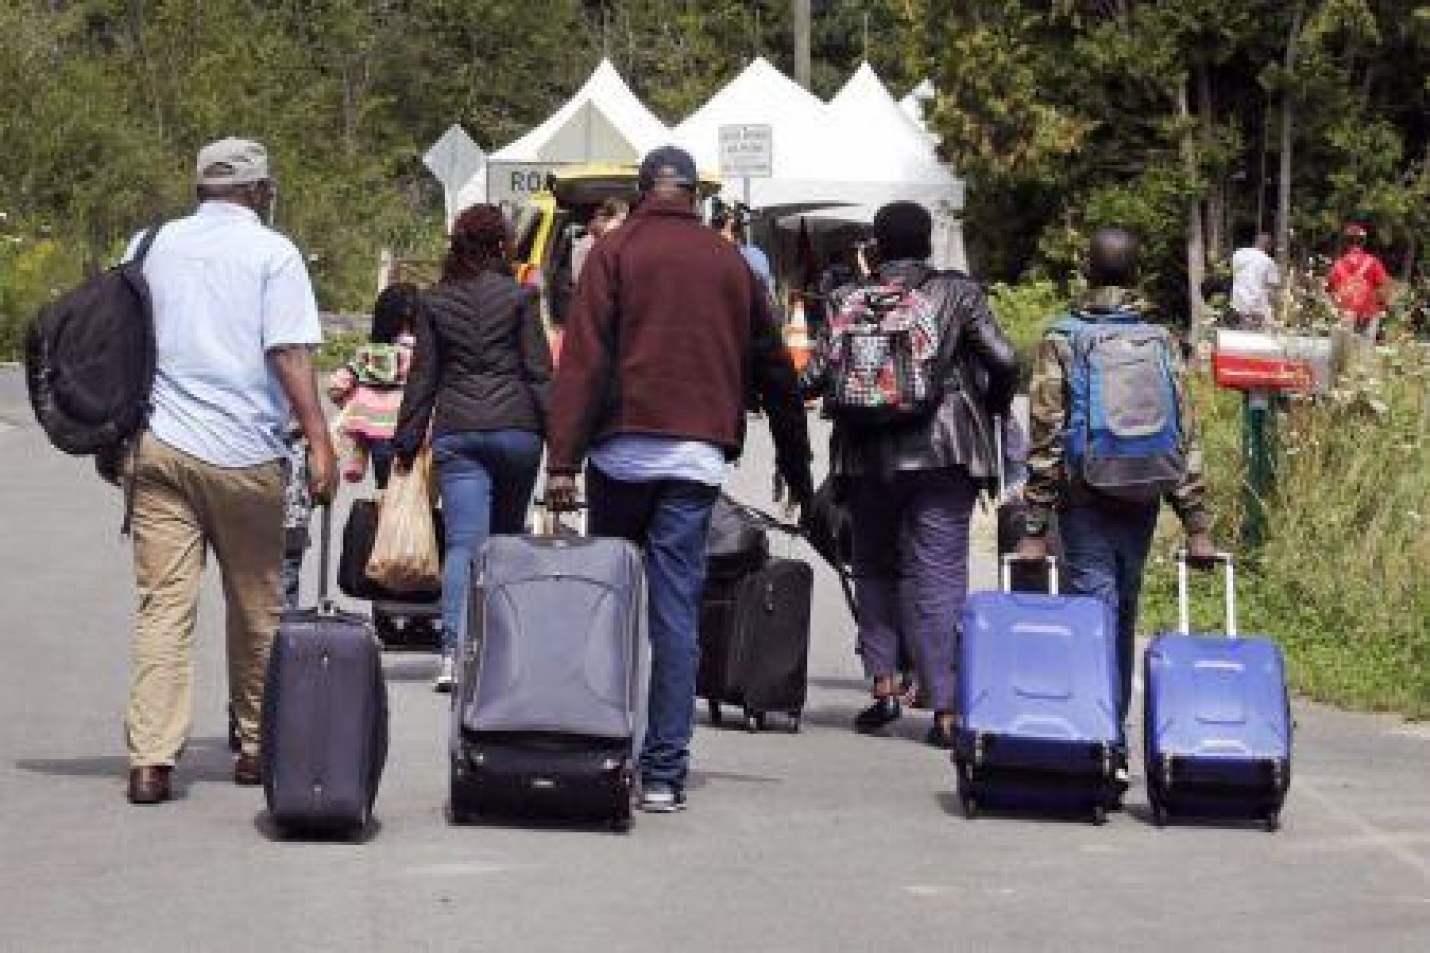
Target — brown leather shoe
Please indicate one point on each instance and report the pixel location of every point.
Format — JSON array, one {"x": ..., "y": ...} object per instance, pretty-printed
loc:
[
  {"x": 149, "y": 785},
  {"x": 247, "y": 770}
]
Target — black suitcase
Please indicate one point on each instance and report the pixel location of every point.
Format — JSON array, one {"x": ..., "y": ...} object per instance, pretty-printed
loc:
[
  {"x": 754, "y": 643},
  {"x": 551, "y": 690},
  {"x": 359, "y": 532},
  {"x": 324, "y": 730}
]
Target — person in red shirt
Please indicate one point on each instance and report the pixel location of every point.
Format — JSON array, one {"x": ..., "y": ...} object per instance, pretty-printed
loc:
[{"x": 1359, "y": 284}]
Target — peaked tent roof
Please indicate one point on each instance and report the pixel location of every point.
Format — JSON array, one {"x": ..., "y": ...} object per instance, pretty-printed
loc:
[
  {"x": 602, "y": 122},
  {"x": 760, "y": 94},
  {"x": 889, "y": 146}
]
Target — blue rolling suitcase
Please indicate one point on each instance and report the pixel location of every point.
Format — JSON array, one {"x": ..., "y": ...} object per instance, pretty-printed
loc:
[
  {"x": 1218, "y": 721},
  {"x": 1037, "y": 698}
]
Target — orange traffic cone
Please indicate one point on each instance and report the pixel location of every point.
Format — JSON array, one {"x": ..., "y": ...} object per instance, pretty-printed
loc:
[{"x": 797, "y": 335}]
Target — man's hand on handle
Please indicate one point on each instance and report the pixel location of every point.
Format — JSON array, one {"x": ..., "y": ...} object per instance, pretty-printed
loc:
[
  {"x": 1201, "y": 551},
  {"x": 561, "y": 494},
  {"x": 322, "y": 472},
  {"x": 1033, "y": 548}
]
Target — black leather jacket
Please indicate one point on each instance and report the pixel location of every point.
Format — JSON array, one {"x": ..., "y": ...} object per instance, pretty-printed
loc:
[{"x": 980, "y": 377}]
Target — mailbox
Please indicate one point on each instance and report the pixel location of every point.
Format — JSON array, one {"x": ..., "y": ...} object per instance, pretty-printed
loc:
[{"x": 1259, "y": 360}]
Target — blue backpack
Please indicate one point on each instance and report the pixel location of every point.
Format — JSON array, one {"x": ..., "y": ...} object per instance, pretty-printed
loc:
[{"x": 1124, "y": 433}]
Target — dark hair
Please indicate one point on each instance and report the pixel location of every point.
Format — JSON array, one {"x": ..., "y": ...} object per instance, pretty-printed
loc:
[
  {"x": 903, "y": 230},
  {"x": 479, "y": 240},
  {"x": 394, "y": 313},
  {"x": 1112, "y": 259}
]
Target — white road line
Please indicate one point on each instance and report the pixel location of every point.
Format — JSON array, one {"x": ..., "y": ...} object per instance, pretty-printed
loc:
[{"x": 1375, "y": 836}]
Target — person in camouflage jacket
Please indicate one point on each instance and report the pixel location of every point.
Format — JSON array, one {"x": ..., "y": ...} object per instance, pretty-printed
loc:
[{"x": 1106, "y": 542}]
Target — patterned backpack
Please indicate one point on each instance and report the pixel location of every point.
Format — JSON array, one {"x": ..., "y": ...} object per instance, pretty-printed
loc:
[{"x": 878, "y": 358}]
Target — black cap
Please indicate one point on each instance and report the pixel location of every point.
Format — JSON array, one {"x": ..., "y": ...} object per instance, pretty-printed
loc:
[{"x": 669, "y": 163}]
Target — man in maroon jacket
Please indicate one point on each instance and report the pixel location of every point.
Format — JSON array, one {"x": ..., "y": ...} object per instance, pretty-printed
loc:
[{"x": 668, "y": 333}]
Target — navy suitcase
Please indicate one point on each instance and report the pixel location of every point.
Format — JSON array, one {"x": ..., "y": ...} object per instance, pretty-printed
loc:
[
  {"x": 549, "y": 706},
  {"x": 1218, "y": 719},
  {"x": 1037, "y": 702},
  {"x": 324, "y": 717}
]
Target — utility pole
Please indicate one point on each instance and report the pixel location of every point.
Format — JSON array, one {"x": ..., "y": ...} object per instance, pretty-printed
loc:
[{"x": 801, "y": 42}]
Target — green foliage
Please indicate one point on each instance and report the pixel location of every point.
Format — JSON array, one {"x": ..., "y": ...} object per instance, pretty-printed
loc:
[
  {"x": 33, "y": 269},
  {"x": 1024, "y": 311},
  {"x": 1070, "y": 114}
]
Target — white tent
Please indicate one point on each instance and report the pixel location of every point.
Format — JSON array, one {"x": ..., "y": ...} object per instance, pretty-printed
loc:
[
  {"x": 839, "y": 161},
  {"x": 603, "y": 122},
  {"x": 762, "y": 94},
  {"x": 893, "y": 159}
]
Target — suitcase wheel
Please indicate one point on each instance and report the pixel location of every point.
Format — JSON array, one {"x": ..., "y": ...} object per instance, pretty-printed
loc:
[
  {"x": 1159, "y": 815},
  {"x": 754, "y": 721},
  {"x": 1273, "y": 822},
  {"x": 794, "y": 717},
  {"x": 966, "y": 799},
  {"x": 1099, "y": 814},
  {"x": 715, "y": 716}
]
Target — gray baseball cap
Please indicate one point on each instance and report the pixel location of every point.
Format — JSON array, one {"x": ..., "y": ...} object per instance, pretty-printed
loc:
[{"x": 232, "y": 162}]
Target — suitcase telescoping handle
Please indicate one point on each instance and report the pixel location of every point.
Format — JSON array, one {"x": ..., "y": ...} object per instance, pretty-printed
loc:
[
  {"x": 1184, "y": 601},
  {"x": 1001, "y": 468},
  {"x": 1005, "y": 574},
  {"x": 325, "y": 558}
]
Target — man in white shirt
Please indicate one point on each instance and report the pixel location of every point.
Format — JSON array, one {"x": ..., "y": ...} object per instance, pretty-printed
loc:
[
  {"x": 235, "y": 320},
  {"x": 1255, "y": 281}
]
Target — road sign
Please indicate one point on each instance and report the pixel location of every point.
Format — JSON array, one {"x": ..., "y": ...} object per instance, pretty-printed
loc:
[
  {"x": 747, "y": 151},
  {"x": 512, "y": 183},
  {"x": 454, "y": 158}
]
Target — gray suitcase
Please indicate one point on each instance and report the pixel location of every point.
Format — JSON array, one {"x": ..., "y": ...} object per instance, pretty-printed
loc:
[
  {"x": 549, "y": 707},
  {"x": 324, "y": 717}
]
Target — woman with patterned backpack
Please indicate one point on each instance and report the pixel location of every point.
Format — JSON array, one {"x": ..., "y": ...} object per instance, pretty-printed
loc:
[{"x": 912, "y": 370}]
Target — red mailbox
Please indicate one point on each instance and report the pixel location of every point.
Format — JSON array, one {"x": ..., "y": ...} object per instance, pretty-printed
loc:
[{"x": 1256, "y": 360}]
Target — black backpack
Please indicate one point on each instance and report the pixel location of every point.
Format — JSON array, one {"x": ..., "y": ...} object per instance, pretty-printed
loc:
[{"x": 90, "y": 360}]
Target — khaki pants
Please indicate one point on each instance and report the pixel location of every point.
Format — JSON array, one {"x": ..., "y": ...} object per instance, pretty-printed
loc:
[{"x": 182, "y": 508}]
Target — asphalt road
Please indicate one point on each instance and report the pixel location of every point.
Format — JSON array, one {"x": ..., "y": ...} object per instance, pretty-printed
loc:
[{"x": 820, "y": 841}]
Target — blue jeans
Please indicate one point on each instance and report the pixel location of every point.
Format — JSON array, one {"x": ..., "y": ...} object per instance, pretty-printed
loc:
[
  {"x": 486, "y": 477},
  {"x": 910, "y": 536},
  {"x": 670, "y": 520},
  {"x": 1105, "y": 552}
]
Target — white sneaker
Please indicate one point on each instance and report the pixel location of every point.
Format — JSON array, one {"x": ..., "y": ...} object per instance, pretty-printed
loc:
[
  {"x": 446, "y": 675},
  {"x": 662, "y": 799}
]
